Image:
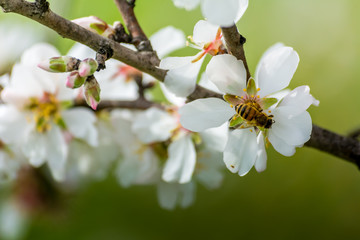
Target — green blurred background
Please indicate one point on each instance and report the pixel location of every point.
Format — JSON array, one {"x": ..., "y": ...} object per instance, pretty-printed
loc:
[{"x": 309, "y": 196}]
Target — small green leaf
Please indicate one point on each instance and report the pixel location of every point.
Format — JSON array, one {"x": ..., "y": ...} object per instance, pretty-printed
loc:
[
  {"x": 251, "y": 87},
  {"x": 268, "y": 102},
  {"x": 235, "y": 121},
  {"x": 232, "y": 99}
]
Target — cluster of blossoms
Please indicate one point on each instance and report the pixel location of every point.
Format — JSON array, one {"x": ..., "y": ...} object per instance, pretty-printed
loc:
[{"x": 173, "y": 145}]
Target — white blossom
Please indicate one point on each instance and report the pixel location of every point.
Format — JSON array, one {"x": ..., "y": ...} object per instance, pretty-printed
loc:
[{"x": 291, "y": 123}]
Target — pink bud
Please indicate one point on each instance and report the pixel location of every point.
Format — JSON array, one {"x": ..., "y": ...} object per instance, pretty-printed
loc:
[
  {"x": 92, "y": 92},
  {"x": 87, "y": 67},
  {"x": 74, "y": 80}
]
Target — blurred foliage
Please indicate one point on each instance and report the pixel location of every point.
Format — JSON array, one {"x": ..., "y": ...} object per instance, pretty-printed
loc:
[{"x": 309, "y": 196}]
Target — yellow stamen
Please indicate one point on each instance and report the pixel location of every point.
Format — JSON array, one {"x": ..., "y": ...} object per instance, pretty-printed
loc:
[
  {"x": 231, "y": 105},
  {"x": 244, "y": 89},
  {"x": 258, "y": 89}
]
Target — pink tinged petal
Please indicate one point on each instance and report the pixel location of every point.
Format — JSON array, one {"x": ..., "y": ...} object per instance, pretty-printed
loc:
[
  {"x": 241, "y": 151},
  {"x": 204, "y": 32},
  {"x": 187, "y": 4},
  {"x": 276, "y": 69},
  {"x": 182, "y": 75},
  {"x": 154, "y": 125},
  {"x": 299, "y": 99},
  {"x": 223, "y": 13},
  {"x": 205, "y": 113},
  {"x": 227, "y": 73},
  {"x": 261, "y": 157},
  {"x": 180, "y": 165},
  {"x": 87, "y": 67},
  {"x": 295, "y": 130},
  {"x": 92, "y": 92},
  {"x": 167, "y": 40},
  {"x": 280, "y": 145},
  {"x": 81, "y": 124},
  {"x": 57, "y": 150}
]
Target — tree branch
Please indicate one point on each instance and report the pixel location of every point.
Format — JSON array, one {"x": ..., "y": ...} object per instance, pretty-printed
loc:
[
  {"x": 139, "y": 38},
  {"x": 332, "y": 143},
  {"x": 140, "y": 104},
  {"x": 235, "y": 45}
]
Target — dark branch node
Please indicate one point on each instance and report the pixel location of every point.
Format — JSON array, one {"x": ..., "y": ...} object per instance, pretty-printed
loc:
[
  {"x": 242, "y": 40},
  {"x": 102, "y": 55},
  {"x": 120, "y": 34},
  {"x": 144, "y": 45},
  {"x": 131, "y": 3},
  {"x": 41, "y": 7}
]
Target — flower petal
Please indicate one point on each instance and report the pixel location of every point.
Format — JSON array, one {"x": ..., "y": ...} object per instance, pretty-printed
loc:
[
  {"x": 182, "y": 75},
  {"x": 298, "y": 99},
  {"x": 295, "y": 130},
  {"x": 276, "y": 68},
  {"x": 57, "y": 150},
  {"x": 261, "y": 158},
  {"x": 171, "y": 97},
  {"x": 166, "y": 40},
  {"x": 80, "y": 122},
  {"x": 169, "y": 194},
  {"x": 280, "y": 145},
  {"x": 154, "y": 125},
  {"x": 223, "y": 13},
  {"x": 180, "y": 165},
  {"x": 205, "y": 113},
  {"x": 204, "y": 32},
  {"x": 227, "y": 73},
  {"x": 215, "y": 138},
  {"x": 34, "y": 148},
  {"x": 241, "y": 151},
  {"x": 206, "y": 83},
  {"x": 187, "y": 4}
]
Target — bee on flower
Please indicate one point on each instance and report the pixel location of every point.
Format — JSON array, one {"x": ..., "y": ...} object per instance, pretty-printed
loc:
[{"x": 257, "y": 108}]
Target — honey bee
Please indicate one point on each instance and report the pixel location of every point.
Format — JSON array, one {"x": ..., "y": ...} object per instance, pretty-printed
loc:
[{"x": 254, "y": 116}]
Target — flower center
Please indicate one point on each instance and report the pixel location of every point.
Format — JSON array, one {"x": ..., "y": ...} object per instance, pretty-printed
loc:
[
  {"x": 213, "y": 48},
  {"x": 46, "y": 110}
]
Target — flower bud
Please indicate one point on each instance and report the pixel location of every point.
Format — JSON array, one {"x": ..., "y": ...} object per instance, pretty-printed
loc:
[
  {"x": 87, "y": 67},
  {"x": 95, "y": 24},
  {"x": 59, "y": 64},
  {"x": 92, "y": 92},
  {"x": 74, "y": 80}
]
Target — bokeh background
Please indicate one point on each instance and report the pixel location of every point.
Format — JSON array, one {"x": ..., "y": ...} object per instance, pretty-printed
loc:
[{"x": 312, "y": 195}]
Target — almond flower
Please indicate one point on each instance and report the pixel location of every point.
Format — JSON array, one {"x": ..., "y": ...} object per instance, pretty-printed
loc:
[
  {"x": 183, "y": 71},
  {"x": 35, "y": 115},
  {"x": 220, "y": 12},
  {"x": 289, "y": 125}
]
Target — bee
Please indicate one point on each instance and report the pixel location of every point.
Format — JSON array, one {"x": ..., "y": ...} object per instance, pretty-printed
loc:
[{"x": 254, "y": 116}]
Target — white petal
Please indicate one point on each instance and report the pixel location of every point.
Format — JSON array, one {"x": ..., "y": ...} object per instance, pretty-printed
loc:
[
  {"x": 81, "y": 51},
  {"x": 13, "y": 221},
  {"x": 80, "y": 122},
  {"x": 295, "y": 130},
  {"x": 182, "y": 76},
  {"x": 276, "y": 68},
  {"x": 12, "y": 124},
  {"x": 241, "y": 151},
  {"x": 227, "y": 73},
  {"x": 34, "y": 148},
  {"x": 38, "y": 53},
  {"x": 166, "y": 40},
  {"x": 299, "y": 99},
  {"x": 204, "y": 32},
  {"x": 180, "y": 165},
  {"x": 206, "y": 83},
  {"x": 210, "y": 173},
  {"x": 187, "y": 4},
  {"x": 223, "y": 13},
  {"x": 205, "y": 113},
  {"x": 171, "y": 97},
  {"x": 280, "y": 145},
  {"x": 260, "y": 163},
  {"x": 154, "y": 125},
  {"x": 215, "y": 138},
  {"x": 57, "y": 150}
]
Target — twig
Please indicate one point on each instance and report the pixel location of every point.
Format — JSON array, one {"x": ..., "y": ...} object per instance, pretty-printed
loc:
[
  {"x": 148, "y": 61},
  {"x": 139, "y": 38},
  {"x": 346, "y": 148},
  {"x": 140, "y": 104},
  {"x": 235, "y": 45}
]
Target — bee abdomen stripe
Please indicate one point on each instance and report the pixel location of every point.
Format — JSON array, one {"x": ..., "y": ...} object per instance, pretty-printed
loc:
[{"x": 242, "y": 110}]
